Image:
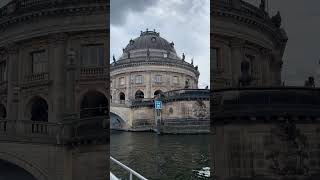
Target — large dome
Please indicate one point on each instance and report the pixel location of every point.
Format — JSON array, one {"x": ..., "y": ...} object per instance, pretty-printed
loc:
[{"x": 150, "y": 40}]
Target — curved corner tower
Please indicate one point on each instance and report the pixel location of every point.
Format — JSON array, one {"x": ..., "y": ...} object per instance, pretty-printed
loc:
[
  {"x": 248, "y": 45},
  {"x": 149, "y": 65},
  {"x": 53, "y": 87},
  {"x": 148, "y": 70}
]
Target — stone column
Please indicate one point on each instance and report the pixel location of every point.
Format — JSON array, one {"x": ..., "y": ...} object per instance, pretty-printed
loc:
[
  {"x": 57, "y": 58},
  {"x": 13, "y": 78},
  {"x": 264, "y": 66},
  {"x": 236, "y": 58},
  {"x": 70, "y": 70}
]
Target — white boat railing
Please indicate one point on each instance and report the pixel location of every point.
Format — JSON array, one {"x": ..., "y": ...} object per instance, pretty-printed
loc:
[{"x": 131, "y": 172}]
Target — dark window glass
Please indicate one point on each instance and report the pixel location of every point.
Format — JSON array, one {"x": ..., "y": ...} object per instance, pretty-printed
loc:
[{"x": 92, "y": 55}]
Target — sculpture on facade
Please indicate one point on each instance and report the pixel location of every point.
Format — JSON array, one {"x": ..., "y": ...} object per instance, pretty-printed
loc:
[
  {"x": 288, "y": 150},
  {"x": 245, "y": 78},
  {"x": 114, "y": 59},
  {"x": 276, "y": 20},
  {"x": 148, "y": 53},
  {"x": 309, "y": 82},
  {"x": 71, "y": 56},
  {"x": 263, "y": 5},
  {"x": 186, "y": 86},
  {"x": 183, "y": 56}
]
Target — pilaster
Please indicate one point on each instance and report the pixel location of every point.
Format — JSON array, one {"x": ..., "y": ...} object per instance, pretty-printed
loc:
[
  {"x": 13, "y": 81},
  {"x": 57, "y": 58}
]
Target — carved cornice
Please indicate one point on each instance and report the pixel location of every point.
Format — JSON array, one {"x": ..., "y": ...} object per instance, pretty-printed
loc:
[
  {"x": 58, "y": 38},
  {"x": 263, "y": 24},
  {"x": 236, "y": 42},
  {"x": 50, "y": 10},
  {"x": 119, "y": 65}
]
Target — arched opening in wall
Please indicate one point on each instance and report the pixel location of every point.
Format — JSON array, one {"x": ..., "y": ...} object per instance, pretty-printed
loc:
[
  {"x": 122, "y": 97},
  {"x": 93, "y": 104},
  {"x": 3, "y": 111},
  {"x": 139, "y": 95},
  {"x": 39, "y": 109},
  {"x": 12, "y": 171},
  {"x": 158, "y": 93}
]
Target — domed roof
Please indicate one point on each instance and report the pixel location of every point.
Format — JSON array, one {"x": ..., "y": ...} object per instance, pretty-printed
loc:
[{"x": 150, "y": 40}]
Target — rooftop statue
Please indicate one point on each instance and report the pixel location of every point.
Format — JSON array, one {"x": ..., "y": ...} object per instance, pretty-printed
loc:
[
  {"x": 245, "y": 79},
  {"x": 276, "y": 20},
  {"x": 114, "y": 59},
  {"x": 263, "y": 5},
  {"x": 183, "y": 56}
]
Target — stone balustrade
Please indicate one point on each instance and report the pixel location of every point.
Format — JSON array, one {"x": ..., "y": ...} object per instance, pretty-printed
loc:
[
  {"x": 267, "y": 103},
  {"x": 94, "y": 72},
  {"x": 186, "y": 94},
  {"x": 37, "y": 77},
  {"x": 49, "y": 132}
]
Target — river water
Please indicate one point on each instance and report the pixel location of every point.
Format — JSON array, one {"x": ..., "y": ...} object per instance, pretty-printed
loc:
[{"x": 180, "y": 157}]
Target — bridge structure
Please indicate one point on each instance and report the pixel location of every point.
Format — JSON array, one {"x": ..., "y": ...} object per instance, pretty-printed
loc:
[{"x": 183, "y": 111}]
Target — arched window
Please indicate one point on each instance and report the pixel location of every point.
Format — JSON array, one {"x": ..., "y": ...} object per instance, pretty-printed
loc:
[
  {"x": 122, "y": 97},
  {"x": 3, "y": 112},
  {"x": 93, "y": 104},
  {"x": 158, "y": 92},
  {"x": 139, "y": 95},
  {"x": 39, "y": 109}
]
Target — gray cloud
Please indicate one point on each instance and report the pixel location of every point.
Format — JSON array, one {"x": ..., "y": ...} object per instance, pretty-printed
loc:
[
  {"x": 121, "y": 8},
  {"x": 301, "y": 22},
  {"x": 4, "y": 2},
  {"x": 185, "y": 22}
]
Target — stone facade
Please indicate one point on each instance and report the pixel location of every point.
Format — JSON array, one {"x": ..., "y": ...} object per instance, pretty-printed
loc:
[
  {"x": 55, "y": 79},
  {"x": 266, "y": 133},
  {"x": 247, "y": 45},
  {"x": 260, "y": 129},
  {"x": 149, "y": 68}
]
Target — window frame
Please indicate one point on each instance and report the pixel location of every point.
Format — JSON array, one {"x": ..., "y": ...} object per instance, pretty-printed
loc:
[
  {"x": 139, "y": 79},
  {"x": 90, "y": 50},
  {"x": 39, "y": 61}
]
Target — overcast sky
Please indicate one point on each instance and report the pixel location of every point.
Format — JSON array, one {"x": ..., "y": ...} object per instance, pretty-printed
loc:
[
  {"x": 301, "y": 21},
  {"x": 3, "y": 2},
  {"x": 185, "y": 22}
]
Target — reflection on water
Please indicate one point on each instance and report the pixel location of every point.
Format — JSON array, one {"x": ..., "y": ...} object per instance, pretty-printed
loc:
[{"x": 161, "y": 156}]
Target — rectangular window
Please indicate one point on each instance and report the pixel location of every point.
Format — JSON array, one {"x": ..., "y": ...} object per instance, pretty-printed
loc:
[
  {"x": 92, "y": 55},
  {"x": 39, "y": 62},
  {"x": 139, "y": 79},
  {"x": 121, "y": 80},
  {"x": 158, "y": 79},
  {"x": 3, "y": 71},
  {"x": 216, "y": 60},
  {"x": 175, "y": 79}
]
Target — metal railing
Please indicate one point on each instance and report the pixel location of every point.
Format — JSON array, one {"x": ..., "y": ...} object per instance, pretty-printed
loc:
[{"x": 131, "y": 172}]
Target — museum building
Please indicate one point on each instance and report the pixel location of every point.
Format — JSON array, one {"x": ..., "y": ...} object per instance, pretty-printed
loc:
[
  {"x": 149, "y": 68},
  {"x": 261, "y": 129}
]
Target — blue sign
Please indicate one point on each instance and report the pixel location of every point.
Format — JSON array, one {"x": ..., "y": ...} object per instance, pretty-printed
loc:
[{"x": 158, "y": 104}]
